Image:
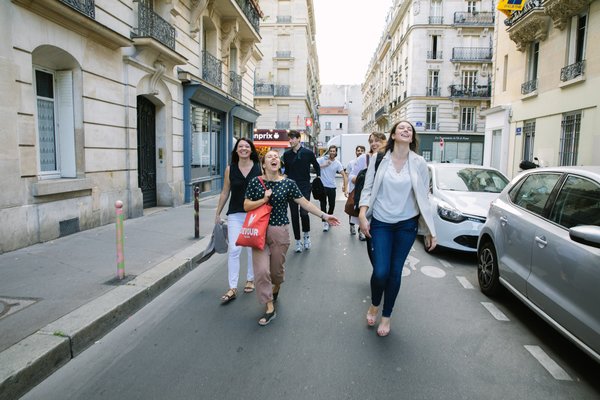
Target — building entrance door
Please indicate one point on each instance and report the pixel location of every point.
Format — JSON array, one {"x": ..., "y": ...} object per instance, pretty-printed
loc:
[{"x": 146, "y": 137}]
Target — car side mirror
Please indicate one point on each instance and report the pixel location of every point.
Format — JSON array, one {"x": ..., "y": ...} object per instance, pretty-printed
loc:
[{"x": 586, "y": 234}]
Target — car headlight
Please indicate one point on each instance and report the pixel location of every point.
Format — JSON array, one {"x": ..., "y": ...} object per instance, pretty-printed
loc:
[{"x": 449, "y": 213}]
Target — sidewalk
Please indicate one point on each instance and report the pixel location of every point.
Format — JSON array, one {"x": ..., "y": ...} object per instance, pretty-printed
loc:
[{"x": 57, "y": 298}]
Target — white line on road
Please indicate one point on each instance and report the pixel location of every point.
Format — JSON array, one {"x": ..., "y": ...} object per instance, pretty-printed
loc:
[
  {"x": 496, "y": 313},
  {"x": 551, "y": 366},
  {"x": 465, "y": 282},
  {"x": 446, "y": 264}
]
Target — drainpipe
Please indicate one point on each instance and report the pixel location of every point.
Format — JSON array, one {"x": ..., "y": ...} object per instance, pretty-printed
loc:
[{"x": 127, "y": 141}]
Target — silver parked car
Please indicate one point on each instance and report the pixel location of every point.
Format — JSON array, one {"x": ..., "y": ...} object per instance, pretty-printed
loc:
[{"x": 541, "y": 241}]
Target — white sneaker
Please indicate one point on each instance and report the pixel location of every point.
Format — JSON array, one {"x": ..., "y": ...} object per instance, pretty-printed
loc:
[
  {"x": 361, "y": 236},
  {"x": 298, "y": 246},
  {"x": 352, "y": 230},
  {"x": 307, "y": 243},
  {"x": 325, "y": 226}
]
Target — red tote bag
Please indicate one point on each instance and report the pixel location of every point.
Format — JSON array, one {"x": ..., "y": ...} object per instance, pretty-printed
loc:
[{"x": 254, "y": 230}]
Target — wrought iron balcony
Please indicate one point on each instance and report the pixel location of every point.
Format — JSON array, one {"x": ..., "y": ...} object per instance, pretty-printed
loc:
[
  {"x": 264, "y": 89},
  {"x": 529, "y": 86},
  {"x": 282, "y": 90},
  {"x": 481, "y": 54},
  {"x": 436, "y": 20},
  {"x": 251, "y": 13},
  {"x": 432, "y": 91},
  {"x": 470, "y": 91},
  {"x": 572, "y": 71},
  {"x": 474, "y": 18},
  {"x": 434, "y": 55},
  {"x": 467, "y": 127},
  {"x": 282, "y": 124},
  {"x": 212, "y": 69},
  {"x": 235, "y": 85},
  {"x": 151, "y": 25},
  {"x": 283, "y": 54},
  {"x": 432, "y": 126},
  {"x": 284, "y": 19},
  {"x": 530, "y": 6},
  {"x": 86, "y": 7},
  {"x": 528, "y": 25},
  {"x": 381, "y": 113}
]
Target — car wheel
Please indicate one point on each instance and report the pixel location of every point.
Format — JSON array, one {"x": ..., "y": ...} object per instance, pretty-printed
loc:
[{"x": 487, "y": 269}]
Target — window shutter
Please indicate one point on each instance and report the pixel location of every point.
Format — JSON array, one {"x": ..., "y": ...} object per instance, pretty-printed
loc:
[{"x": 66, "y": 124}]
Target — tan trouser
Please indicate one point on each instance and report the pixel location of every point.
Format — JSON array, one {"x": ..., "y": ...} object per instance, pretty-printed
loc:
[{"x": 269, "y": 264}]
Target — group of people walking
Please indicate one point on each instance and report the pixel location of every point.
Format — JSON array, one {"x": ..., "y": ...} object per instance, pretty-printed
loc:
[{"x": 393, "y": 209}]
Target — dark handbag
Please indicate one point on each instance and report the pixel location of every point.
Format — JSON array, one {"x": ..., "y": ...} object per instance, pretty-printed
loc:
[
  {"x": 349, "y": 206},
  {"x": 254, "y": 230},
  {"x": 318, "y": 190}
]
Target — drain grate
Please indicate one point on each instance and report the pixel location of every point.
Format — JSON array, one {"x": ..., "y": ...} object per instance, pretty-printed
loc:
[
  {"x": 11, "y": 305},
  {"x": 68, "y": 226}
]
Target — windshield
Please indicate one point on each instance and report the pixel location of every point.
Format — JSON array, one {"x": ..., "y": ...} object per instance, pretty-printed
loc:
[{"x": 470, "y": 179}]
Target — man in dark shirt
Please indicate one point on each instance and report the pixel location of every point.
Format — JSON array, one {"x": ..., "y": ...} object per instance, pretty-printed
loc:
[{"x": 297, "y": 161}]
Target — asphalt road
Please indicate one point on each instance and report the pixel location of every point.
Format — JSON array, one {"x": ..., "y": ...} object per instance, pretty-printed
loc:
[{"x": 448, "y": 340}]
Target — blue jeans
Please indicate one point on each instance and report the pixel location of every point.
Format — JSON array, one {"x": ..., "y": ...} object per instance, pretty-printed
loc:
[{"x": 391, "y": 244}]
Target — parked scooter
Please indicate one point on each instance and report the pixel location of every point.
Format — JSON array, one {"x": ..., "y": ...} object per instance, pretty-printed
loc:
[{"x": 526, "y": 164}]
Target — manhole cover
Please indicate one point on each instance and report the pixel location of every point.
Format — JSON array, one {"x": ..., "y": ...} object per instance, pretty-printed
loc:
[{"x": 11, "y": 305}]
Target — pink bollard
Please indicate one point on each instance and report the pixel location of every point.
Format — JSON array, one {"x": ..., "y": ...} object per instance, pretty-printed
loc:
[{"x": 120, "y": 240}]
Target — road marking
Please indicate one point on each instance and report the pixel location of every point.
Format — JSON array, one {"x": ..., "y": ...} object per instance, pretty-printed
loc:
[
  {"x": 412, "y": 262},
  {"x": 551, "y": 366},
  {"x": 433, "y": 272},
  {"x": 446, "y": 264},
  {"x": 496, "y": 313},
  {"x": 465, "y": 282}
]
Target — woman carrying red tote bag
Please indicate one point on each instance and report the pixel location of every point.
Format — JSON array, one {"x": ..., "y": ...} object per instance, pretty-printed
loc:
[{"x": 254, "y": 230}]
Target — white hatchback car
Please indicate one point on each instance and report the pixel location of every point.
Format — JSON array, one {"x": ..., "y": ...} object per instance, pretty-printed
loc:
[{"x": 460, "y": 197}]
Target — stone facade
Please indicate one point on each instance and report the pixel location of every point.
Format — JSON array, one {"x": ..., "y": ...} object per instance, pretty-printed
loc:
[
  {"x": 74, "y": 77},
  {"x": 545, "y": 98}
]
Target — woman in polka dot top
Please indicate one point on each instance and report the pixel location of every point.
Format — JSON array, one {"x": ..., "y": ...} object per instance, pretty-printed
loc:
[{"x": 269, "y": 268}]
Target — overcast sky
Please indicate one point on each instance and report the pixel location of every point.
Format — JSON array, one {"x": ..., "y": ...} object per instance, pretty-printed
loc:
[{"x": 348, "y": 32}]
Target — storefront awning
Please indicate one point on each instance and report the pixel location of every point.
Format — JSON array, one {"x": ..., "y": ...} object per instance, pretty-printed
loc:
[{"x": 272, "y": 143}]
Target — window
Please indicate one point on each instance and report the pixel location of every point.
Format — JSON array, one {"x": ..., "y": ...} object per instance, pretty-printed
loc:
[
  {"x": 528, "y": 138},
  {"x": 534, "y": 192},
  {"x": 435, "y": 12},
  {"x": 467, "y": 119},
  {"x": 578, "y": 203},
  {"x": 433, "y": 81},
  {"x": 435, "y": 52},
  {"x": 472, "y": 6},
  {"x": 206, "y": 134},
  {"x": 55, "y": 123},
  {"x": 496, "y": 148},
  {"x": 577, "y": 38},
  {"x": 431, "y": 118},
  {"x": 340, "y": 125},
  {"x": 328, "y": 125},
  {"x": 569, "y": 139},
  {"x": 532, "y": 68},
  {"x": 469, "y": 80}
]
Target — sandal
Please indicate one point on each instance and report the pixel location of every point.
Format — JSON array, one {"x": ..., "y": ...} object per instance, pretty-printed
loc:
[
  {"x": 230, "y": 295},
  {"x": 268, "y": 317},
  {"x": 249, "y": 288}
]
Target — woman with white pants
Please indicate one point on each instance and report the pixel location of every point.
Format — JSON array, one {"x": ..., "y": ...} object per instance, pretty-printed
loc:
[{"x": 244, "y": 166}]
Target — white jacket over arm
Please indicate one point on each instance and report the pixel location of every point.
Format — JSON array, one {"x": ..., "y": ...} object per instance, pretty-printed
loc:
[{"x": 419, "y": 178}]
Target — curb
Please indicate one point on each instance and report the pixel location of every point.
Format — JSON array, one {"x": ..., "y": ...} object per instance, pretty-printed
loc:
[{"x": 33, "y": 359}]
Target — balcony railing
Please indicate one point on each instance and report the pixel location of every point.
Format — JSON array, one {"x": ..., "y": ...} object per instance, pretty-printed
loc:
[
  {"x": 282, "y": 90},
  {"x": 529, "y": 86},
  {"x": 436, "y": 20},
  {"x": 264, "y": 89},
  {"x": 467, "y": 127},
  {"x": 572, "y": 71},
  {"x": 432, "y": 91},
  {"x": 382, "y": 112},
  {"x": 284, "y": 19},
  {"x": 530, "y": 6},
  {"x": 150, "y": 24},
  {"x": 251, "y": 13},
  {"x": 212, "y": 69},
  {"x": 474, "y": 18},
  {"x": 434, "y": 55},
  {"x": 470, "y": 91},
  {"x": 482, "y": 54},
  {"x": 86, "y": 7},
  {"x": 282, "y": 124},
  {"x": 235, "y": 85},
  {"x": 432, "y": 126},
  {"x": 283, "y": 54}
]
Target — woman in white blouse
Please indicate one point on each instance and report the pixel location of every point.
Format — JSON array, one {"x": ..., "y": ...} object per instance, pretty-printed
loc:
[{"x": 393, "y": 208}]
